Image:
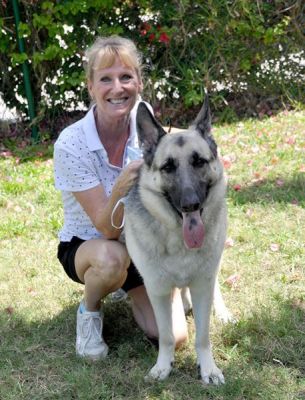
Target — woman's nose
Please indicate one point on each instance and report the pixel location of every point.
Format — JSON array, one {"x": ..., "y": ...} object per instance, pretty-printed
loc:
[{"x": 117, "y": 85}]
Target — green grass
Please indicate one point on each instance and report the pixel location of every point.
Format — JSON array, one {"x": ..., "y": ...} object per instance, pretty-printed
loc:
[{"x": 262, "y": 356}]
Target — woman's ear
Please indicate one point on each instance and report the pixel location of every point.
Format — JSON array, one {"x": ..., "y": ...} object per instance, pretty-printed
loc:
[
  {"x": 89, "y": 87},
  {"x": 140, "y": 85}
]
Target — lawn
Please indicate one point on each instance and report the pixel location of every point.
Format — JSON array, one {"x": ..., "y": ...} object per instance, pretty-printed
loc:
[{"x": 262, "y": 276}]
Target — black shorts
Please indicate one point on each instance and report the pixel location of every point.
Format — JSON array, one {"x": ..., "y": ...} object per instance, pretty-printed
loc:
[{"x": 66, "y": 255}]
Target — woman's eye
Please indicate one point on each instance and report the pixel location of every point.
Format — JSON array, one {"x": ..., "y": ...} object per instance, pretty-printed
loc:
[
  {"x": 126, "y": 77},
  {"x": 105, "y": 79}
]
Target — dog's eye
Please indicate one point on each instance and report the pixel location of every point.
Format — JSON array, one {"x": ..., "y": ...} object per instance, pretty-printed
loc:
[
  {"x": 197, "y": 161},
  {"x": 169, "y": 166}
]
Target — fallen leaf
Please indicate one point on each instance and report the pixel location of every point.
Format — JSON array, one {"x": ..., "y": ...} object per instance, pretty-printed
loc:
[
  {"x": 258, "y": 181},
  {"x": 274, "y": 247},
  {"x": 290, "y": 140},
  {"x": 279, "y": 182},
  {"x": 237, "y": 187},
  {"x": 226, "y": 161},
  {"x": 6, "y": 154},
  {"x": 296, "y": 277},
  {"x": 229, "y": 243},
  {"x": 23, "y": 144},
  {"x": 232, "y": 280},
  {"x": 274, "y": 160},
  {"x": 32, "y": 292},
  {"x": 249, "y": 212},
  {"x": 9, "y": 310}
]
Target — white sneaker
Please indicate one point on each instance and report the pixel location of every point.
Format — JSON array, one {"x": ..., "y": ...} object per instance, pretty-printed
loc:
[
  {"x": 89, "y": 339},
  {"x": 119, "y": 295}
]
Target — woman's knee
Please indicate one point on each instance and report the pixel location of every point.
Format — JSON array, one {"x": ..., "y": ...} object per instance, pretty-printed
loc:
[
  {"x": 181, "y": 337},
  {"x": 180, "y": 328},
  {"x": 111, "y": 263}
]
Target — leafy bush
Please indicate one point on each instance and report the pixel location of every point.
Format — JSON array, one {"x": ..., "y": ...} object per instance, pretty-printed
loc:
[{"x": 248, "y": 55}]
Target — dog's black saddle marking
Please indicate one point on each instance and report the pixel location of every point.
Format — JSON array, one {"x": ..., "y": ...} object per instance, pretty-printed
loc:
[{"x": 180, "y": 141}]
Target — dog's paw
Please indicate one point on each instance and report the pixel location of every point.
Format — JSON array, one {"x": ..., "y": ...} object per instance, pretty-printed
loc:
[
  {"x": 212, "y": 375},
  {"x": 225, "y": 316},
  {"x": 158, "y": 373}
]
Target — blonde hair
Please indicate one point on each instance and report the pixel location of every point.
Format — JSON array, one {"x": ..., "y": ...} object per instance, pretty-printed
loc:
[{"x": 104, "y": 50}]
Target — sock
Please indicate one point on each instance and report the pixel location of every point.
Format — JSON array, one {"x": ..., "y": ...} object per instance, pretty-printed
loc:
[{"x": 82, "y": 307}]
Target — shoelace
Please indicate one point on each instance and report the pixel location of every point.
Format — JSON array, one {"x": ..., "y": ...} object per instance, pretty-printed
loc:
[{"x": 91, "y": 327}]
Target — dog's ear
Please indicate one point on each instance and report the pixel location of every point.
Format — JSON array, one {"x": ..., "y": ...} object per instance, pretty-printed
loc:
[
  {"x": 203, "y": 125},
  {"x": 149, "y": 131}
]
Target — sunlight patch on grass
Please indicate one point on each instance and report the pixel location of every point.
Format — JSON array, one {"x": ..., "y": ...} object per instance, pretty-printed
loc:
[{"x": 262, "y": 277}]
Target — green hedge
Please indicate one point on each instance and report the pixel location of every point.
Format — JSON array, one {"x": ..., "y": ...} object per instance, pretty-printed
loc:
[{"x": 248, "y": 54}]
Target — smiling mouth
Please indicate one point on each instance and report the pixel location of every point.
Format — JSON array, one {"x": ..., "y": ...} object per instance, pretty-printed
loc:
[{"x": 118, "y": 101}]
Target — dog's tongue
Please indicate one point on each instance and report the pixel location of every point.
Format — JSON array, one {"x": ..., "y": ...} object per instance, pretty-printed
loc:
[{"x": 193, "y": 231}]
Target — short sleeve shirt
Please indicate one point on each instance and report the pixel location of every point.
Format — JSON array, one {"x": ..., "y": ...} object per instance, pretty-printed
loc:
[{"x": 81, "y": 163}]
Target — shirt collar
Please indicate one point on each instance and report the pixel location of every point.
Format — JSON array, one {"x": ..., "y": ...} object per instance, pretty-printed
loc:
[
  {"x": 89, "y": 127},
  {"x": 133, "y": 136}
]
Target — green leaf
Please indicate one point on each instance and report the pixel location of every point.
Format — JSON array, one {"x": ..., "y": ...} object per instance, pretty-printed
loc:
[
  {"x": 51, "y": 52},
  {"x": 18, "y": 58}
]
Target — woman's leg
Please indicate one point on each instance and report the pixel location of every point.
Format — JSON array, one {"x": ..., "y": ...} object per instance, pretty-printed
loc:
[
  {"x": 145, "y": 318},
  {"x": 102, "y": 266}
]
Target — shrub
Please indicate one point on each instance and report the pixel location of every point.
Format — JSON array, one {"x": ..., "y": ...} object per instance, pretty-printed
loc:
[{"x": 248, "y": 55}]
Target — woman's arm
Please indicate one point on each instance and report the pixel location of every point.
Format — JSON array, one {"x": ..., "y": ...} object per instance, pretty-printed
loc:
[{"x": 99, "y": 206}]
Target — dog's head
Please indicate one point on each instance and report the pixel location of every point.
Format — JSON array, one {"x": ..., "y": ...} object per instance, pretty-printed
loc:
[{"x": 182, "y": 167}]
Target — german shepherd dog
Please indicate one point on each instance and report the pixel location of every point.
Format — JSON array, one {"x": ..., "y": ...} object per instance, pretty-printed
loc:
[{"x": 175, "y": 226}]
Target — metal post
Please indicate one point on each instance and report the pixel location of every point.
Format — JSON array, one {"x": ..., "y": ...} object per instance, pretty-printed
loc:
[{"x": 26, "y": 74}]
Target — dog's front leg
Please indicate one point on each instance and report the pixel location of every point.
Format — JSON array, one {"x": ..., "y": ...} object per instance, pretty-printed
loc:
[
  {"x": 202, "y": 297},
  {"x": 162, "y": 306},
  {"x": 221, "y": 311}
]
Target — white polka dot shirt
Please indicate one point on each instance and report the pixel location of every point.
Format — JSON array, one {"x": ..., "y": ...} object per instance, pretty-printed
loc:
[{"x": 80, "y": 163}]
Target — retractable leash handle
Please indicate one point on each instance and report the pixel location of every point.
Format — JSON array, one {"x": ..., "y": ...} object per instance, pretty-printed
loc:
[{"x": 133, "y": 153}]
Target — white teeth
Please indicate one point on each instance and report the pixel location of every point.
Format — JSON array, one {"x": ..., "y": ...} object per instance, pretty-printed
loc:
[{"x": 117, "y": 101}]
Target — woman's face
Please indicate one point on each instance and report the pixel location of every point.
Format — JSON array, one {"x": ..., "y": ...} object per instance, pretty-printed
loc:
[{"x": 115, "y": 90}]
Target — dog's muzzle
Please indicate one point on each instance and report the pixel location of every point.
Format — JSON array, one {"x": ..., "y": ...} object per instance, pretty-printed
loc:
[{"x": 190, "y": 211}]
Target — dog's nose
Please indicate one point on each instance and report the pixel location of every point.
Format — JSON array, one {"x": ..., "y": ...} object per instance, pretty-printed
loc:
[
  {"x": 189, "y": 201},
  {"x": 190, "y": 207}
]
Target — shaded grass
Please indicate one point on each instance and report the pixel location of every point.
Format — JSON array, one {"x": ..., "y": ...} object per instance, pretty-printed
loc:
[{"x": 262, "y": 356}]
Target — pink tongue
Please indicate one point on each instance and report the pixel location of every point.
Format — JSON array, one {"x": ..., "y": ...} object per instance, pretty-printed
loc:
[{"x": 193, "y": 231}]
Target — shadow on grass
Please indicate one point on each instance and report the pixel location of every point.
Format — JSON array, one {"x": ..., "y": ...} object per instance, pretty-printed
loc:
[
  {"x": 271, "y": 191},
  {"x": 275, "y": 337},
  {"x": 40, "y": 358}
]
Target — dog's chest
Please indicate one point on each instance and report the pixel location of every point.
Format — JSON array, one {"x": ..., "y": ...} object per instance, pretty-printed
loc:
[{"x": 173, "y": 260}]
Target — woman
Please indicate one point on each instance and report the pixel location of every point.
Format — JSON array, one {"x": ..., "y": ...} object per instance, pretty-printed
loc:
[{"x": 93, "y": 174}]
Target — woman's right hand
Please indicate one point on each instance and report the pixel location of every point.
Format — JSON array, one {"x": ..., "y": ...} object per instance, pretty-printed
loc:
[
  {"x": 99, "y": 206},
  {"x": 127, "y": 178}
]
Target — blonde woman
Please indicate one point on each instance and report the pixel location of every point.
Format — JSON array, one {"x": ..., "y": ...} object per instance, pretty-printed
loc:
[{"x": 93, "y": 173}]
